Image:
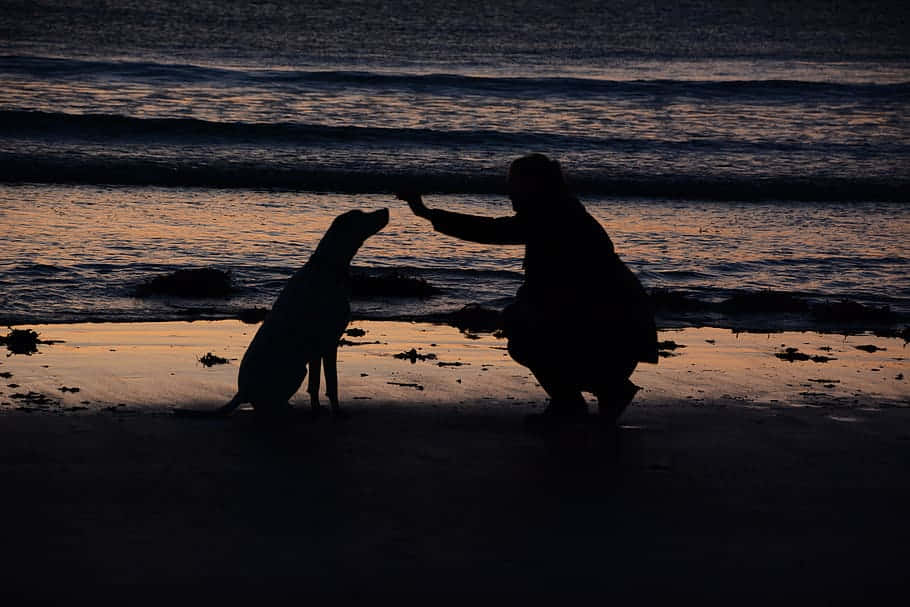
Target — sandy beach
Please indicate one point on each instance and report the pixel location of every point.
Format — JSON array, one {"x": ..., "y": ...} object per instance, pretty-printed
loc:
[
  {"x": 736, "y": 476},
  {"x": 168, "y": 168}
]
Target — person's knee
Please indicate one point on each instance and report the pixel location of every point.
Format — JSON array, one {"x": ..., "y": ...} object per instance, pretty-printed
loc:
[
  {"x": 626, "y": 367},
  {"x": 519, "y": 351}
]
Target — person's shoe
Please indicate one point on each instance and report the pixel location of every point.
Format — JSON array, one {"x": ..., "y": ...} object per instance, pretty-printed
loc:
[
  {"x": 612, "y": 403},
  {"x": 557, "y": 414}
]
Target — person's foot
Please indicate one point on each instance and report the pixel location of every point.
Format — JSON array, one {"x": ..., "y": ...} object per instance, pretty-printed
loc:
[
  {"x": 613, "y": 401},
  {"x": 557, "y": 413}
]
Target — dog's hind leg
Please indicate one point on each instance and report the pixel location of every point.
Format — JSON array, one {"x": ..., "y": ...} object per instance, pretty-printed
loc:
[
  {"x": 330, "y": 359},
  {"x": 313, "y": 384},
  {"x": 233, "y": 404},
  {"x": 222, "y": 411}
]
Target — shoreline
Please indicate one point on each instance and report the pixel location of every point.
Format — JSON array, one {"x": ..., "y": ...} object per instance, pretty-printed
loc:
[
  {"x": 154, "y": 366},
  {"x": 480, "y": 318}
]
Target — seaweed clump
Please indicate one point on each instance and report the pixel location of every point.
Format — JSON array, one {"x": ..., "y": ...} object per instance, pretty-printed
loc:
[
  {"x": 34, "y": 401},
  {"x": 792, "y": 355},
  {"x": 210, "y": 360},
  {"x": 869, "y": 348},
  {"x": 391, "y": 284},
  {"x": 23, "y": 341},
  {"x": 192, "y": 282},
  {"x": 665, "y": 348},
  {"x": 413, "y": 356},
  {"x": 669, "y": 345},
  {"x": 347, "y": 342}
]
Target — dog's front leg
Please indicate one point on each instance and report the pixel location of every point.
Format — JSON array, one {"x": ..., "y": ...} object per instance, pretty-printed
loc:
[
  {"x": 313, "y": 384},
  {"x": 331, "y": 379}
]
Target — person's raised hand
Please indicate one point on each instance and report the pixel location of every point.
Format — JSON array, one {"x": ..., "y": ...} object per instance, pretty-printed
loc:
[{"x": 415, "y": 202}]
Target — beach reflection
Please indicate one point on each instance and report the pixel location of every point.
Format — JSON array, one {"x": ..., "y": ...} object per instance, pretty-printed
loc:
[{"x": 152, "y": 367}]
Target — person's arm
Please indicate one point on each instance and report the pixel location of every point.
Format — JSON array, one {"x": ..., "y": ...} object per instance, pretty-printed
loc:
[{"x": 486, "y": 230}]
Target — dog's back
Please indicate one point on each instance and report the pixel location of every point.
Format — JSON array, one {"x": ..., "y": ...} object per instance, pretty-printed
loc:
[
  {"x": 308, "y": 317},
  {"x": 306, "y": 321}
]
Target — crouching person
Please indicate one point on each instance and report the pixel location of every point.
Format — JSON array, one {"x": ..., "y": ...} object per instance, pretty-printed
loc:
[{"x": 581, "y": 321}]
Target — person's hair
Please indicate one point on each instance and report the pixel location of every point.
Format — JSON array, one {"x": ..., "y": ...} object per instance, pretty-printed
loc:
[{"x": 546, "y": 171}]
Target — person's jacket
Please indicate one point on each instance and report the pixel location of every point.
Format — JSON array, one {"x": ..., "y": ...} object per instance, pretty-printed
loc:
[{"x": 572, "y": 274}]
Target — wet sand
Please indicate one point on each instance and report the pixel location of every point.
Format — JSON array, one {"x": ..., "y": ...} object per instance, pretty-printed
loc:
[{"x": 734, "y": 478}]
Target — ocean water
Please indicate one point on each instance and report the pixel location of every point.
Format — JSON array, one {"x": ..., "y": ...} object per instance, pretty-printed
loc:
[{"x": 727, "y": 147}]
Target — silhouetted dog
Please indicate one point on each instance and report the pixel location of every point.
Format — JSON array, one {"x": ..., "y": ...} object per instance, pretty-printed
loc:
[{"x": 304, "y": 325}]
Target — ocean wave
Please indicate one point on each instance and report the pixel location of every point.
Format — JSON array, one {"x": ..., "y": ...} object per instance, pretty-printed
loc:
[
  {"x": 24, "y": 168},
  {"x": 565, "y": 87},
  {"x": 35, "y": 269},
  {"x": 188, "y": 131}
]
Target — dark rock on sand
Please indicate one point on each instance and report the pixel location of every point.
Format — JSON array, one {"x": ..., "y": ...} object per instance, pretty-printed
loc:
[
  {"x": 193, "y": 282},
  {"x": 890, "y": 332},
  {"x": 251, "y": 316},
  {"x": 474, "y": 317},
  {"x": 470, "y": 318},
  {"x": 6, "y": 375},
  {"x": 390, "y": 284},
  {"x": 207, "y": 311},
  {"x": 846, "y": 311},
  {"x": 355, "y": 332},
  {"x": 763, "y": 302},
  {"x": 665, "y": 300}
]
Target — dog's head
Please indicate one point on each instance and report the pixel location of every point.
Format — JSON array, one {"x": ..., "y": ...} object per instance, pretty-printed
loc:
[{"x": 348, "y": 232}]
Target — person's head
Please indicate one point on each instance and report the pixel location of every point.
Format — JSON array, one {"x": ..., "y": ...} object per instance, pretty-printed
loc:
[{"x": 535, "y": 180}]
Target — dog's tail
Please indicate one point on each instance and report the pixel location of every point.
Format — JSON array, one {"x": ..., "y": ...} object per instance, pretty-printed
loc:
[{"x": 222, "y": 411}]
